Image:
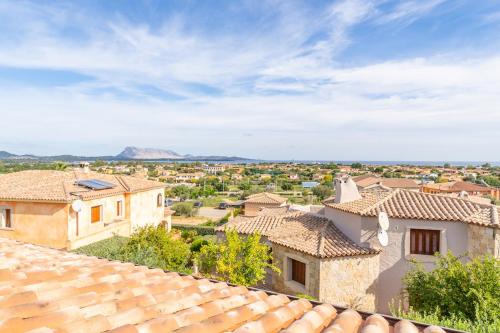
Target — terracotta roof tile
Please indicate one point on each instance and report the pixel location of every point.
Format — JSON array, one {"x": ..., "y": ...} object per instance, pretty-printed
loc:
[
  {"x": 304, "y": 232},
  {"x": 314, "y": 235},
  {"x": 59, "y": 186},
  {"x": 405, "y": 204},
  {"x": 52, "y": 291},
  {"x": 368, "y": 180},
  {"x": 265, "y": 198}
]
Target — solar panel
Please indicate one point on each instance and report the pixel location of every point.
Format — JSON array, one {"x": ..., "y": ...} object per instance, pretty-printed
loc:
[{"x": 95, "y": 184}]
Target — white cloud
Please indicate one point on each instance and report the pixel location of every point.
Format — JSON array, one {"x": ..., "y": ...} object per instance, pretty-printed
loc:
[{"x": 278, "y": 81}]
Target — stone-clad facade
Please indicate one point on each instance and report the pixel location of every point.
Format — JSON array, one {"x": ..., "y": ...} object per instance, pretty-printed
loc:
[
  {"x": 345, "y": 281},
  {"x": 483, "y": 240}
]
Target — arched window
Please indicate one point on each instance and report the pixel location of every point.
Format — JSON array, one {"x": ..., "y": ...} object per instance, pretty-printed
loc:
[{"x": 159, "y": 200}]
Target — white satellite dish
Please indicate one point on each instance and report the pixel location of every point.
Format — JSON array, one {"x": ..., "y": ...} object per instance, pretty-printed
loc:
[
  {"x": 77, "y": 206},
  {"x": 383, "y": 238},
  {"x": 383, "y": 221}
]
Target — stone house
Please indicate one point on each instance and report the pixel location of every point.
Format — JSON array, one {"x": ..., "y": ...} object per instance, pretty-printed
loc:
[
  {"x": 336, "y": 256},
  {"x": 254, "y": 203},
  {"x": 420, "y": 225},
  {"x": 69, "y": 209},
  {"x": 315, "y": 257}
]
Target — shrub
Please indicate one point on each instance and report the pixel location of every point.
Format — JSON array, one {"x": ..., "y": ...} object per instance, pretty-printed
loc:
[
  {"x": 322, "y": 191},
  {"x": 468, "y": 292},
  {"x": 184, "y": 209},
  {"x": 200, "y": 229},
  {"x": 155, "y": 247},
  {"x": 107, "y": 248},
  {"x": 188, "y": 235},
  {"x": 197, "y": 244},
  {"x": 238, "y": 260}
]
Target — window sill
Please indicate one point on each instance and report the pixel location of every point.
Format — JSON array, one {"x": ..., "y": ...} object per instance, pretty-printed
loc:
[
  {"x": 296, "y": 286},
  {"x": 7, "y": 229},
  {"x": 421, "y": 258}
]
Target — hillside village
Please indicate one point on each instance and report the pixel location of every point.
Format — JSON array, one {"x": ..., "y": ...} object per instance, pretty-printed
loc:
[{"x": 345, "y": 235}]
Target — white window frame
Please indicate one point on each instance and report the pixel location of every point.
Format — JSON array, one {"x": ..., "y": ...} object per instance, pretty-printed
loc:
[
  {"x": 443, "y": 244},
  {"x": 3, "y": 218}
]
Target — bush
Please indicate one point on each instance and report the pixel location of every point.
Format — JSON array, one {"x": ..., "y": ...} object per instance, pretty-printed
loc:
[
  {"x": 197, "y": 244},
  {"x": 238, "y": 260},
  {"x": 184, "y": 209},
  {"x": 200, "y": 229},
  {"x": 464, "y": 292},
  {"x": 107, "y": 248},
  {"x": 154, "y": 247},
  {"x": 322, "y": 191},
  {"x": 188, "y": 235}
]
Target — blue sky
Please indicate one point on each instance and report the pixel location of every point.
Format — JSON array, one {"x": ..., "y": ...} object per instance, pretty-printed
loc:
[{"x": 343, "y": 80}]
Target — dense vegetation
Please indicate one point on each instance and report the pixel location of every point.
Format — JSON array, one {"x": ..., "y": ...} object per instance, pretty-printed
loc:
[
  {"x": 149, "y": 246},
  {"x": 456, "y": 294},
  {"x": 240, "y": 260}
]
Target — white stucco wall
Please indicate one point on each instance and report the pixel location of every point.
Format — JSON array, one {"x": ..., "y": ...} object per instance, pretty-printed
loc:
[
  {"x": 349, "y": 224},
  {"x": 395, "y": 258}
]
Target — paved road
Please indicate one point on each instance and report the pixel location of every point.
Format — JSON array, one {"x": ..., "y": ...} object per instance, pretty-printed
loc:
[{"x": 212, "y": 213}]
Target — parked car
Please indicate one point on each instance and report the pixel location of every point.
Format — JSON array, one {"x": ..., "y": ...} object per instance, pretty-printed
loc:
[
  {"x": 223, "y": 205},
  {"x": 169, "y": 202},
  {"x": 198, "y": 204}
]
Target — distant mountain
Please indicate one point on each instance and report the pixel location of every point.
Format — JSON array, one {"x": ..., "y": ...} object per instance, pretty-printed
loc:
[
  {"x": 129, "y": 153},
  {"x": 5, "y": 154},
  {"x": 135, "y": 153}
]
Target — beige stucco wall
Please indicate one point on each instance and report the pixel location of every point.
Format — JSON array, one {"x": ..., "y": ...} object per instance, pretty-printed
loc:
[
  {"x": 143, "y": 208},
  {"x": 38, "y": 223},
  {"x": 252, "y": 209},
  {"x": 350, "y": 281},
  {"x": 483, "y": 240},
  {"x": 395, "y": 258},
  {"x": 85, "y": 227}
]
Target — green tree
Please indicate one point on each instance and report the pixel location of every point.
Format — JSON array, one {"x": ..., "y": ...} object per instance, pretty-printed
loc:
[
  {"x": 61, "y": 166},
  {"x": 467, "y": 291},
  {"x": 184, "y": 209},
  {"x": 357, "y": 165},
  {"x": 239, "y": 260},
  {"x": 322, "y": 191},
  {"x": 286, "y": 186}
]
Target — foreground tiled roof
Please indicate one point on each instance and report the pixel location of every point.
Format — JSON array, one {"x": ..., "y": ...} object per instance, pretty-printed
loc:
[
  {"x": 405, "y": 204},
  {"x": 303, "y": 232},
  {"x": 50, "y": 291},
  {"x": 52, "y": 185},
  {"x": 265, "y": 198}
]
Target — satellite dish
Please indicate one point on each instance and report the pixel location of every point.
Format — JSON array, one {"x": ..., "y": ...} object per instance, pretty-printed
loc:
[
  {"x": 383, "y": 238},
  {"x": 383, "y": 221},
  {"x": 77, "y": 206}
]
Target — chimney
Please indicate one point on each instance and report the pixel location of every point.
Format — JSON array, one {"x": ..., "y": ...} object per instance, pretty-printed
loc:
[
  {"x": 346, "y": 189},
  {"x": 85, "y": 167},
  {"x": 494, "y": 215}
]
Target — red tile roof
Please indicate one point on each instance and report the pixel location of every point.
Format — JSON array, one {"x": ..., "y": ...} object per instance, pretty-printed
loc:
[
  {"x": 265, "y": 198},
  {"x": 46, "y": 290},
  {"x": 59, "y": 186},
  {"x": 368, "y": 180},
  {"x": 303, "y": 232},
  {"x": 405, "y": 204}
]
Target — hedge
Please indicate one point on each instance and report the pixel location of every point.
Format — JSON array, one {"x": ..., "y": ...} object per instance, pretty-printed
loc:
[{"x": 200, "y": 229}]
